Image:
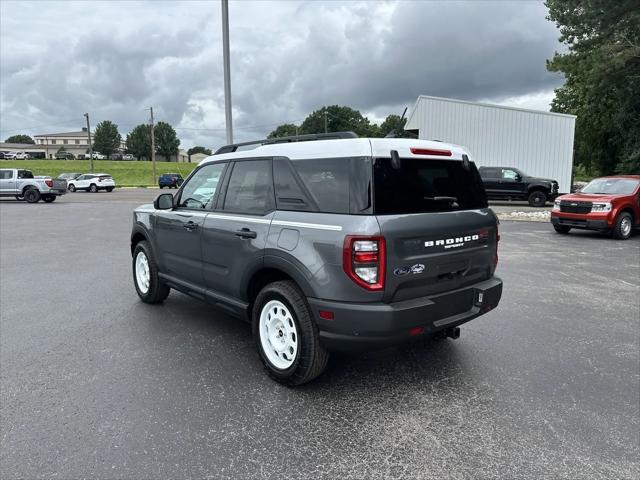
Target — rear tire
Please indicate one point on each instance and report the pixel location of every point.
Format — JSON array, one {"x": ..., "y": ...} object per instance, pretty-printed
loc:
[
  {"x": 93, "y": 188},
  {"x": 49, "y": 199},
  {"x": 32, "y": 195},
  {"x": 624, "y": 226},
  {"x": 562, "y": 229},
  {"x": 296, "y": 356},
  {"x": 537, "y": 198},
  {"x": 148, "y": 285},
  {"x": 72, "y": 188}
]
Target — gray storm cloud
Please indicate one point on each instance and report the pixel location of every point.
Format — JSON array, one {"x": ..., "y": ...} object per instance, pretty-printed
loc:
[{"x": 287, "y": 59}]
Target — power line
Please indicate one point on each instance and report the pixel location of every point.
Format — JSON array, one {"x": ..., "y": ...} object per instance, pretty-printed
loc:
[{"x": 66, "y": 122}]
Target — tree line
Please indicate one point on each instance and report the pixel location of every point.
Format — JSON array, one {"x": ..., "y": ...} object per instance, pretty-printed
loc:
[
  {"x": 602, "y": 81},
  {"x": 336, "y": 118}
]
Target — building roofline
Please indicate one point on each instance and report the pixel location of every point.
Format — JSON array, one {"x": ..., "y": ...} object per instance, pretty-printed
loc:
[{"x": 493, "y": 105}]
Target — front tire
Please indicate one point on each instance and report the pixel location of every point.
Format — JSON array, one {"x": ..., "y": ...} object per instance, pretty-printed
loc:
[
  {"x": 286, "y": 335},
  {"x": 562, "y": 229},
  {"x": 32, "y": 195},
  {"x": 72, "y": 188},
  {"x": 537, "y": 198},
  {"x": 148, "y": 285},
  {"x": 624, "y": 226},
  {"x": 109, "y": 189},
  {"x": 93, "y": 188}
]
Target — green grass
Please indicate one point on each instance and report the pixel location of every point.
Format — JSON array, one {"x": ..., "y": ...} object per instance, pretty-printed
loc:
[{"x": 125, "y": 173}]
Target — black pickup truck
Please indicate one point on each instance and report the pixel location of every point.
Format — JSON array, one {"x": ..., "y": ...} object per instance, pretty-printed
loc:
[{"x": 508, "y": 183}]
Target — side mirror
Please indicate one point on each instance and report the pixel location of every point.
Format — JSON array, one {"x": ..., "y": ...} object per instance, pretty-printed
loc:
[
  {"x": 518, "y": 177},
  {"x": 164, "y": 201}
]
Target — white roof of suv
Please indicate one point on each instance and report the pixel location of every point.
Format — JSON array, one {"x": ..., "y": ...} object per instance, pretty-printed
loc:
[{"x": 350, "y": 147}]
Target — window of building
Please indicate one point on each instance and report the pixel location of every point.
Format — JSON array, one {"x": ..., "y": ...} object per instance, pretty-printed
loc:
[
  {"x": 66, "y": 142},
  {"x": 53, "y": 142},
  {"x": 77, "y": 142}
]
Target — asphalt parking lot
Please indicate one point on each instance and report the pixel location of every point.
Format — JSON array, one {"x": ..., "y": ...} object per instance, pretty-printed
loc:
[{"x": 94, "y": 383}]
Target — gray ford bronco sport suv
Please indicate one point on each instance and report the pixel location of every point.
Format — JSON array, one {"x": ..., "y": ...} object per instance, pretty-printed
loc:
[{"x": 326, "y": 242}]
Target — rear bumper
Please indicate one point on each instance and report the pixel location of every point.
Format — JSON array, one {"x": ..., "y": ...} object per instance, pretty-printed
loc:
[
  {"x": 369, "y": 325},
  {"x": 56, "y": 192}
]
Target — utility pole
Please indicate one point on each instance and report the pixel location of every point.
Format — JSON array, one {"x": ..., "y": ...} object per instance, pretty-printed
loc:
[
  {"x": 325, "y": 120},
  {"x": 153, "y": 149},
  {"x": 89, "y": 139},
  {"x": 227, "y": 72}
]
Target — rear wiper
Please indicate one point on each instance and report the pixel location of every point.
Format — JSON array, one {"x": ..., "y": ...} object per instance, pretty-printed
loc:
[{"x": 441, "y": 199}]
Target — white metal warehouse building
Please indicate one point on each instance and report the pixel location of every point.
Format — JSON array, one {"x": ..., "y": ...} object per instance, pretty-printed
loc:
[{"x": 538, "y": 143}]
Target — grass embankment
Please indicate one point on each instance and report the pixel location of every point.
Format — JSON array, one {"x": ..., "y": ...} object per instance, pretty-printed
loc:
[{"x": 125, "y": 173}]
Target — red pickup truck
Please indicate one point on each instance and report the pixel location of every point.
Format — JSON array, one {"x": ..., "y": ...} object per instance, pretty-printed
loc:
[{"x": 607, "y": 204}]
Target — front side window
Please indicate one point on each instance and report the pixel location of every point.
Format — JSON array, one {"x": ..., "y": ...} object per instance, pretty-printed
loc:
[
  {"x": 200, "y": 190},
  {"x": 509, "y": 174},
  {"x": 422, "y": 186},
  {"x": 250, "y": 188}
]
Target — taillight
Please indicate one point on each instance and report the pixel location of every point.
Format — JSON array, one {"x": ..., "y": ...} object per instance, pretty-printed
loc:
[
  {"x": 49, "y": 183},
  {"x": 99, "y": 179},
  {"x": 363, "y": 260}
]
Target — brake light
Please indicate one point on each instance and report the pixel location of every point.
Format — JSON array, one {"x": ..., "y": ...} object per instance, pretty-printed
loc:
[
  {"x": 431, "y": 151},
  {"x": 49, "y": 183},
  {"x": 363, "y": 260}
]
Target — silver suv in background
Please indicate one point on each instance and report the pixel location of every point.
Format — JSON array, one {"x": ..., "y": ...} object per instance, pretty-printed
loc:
[
  {"x": 22, "y": 185},
  {"x": 326, "y": 243}
]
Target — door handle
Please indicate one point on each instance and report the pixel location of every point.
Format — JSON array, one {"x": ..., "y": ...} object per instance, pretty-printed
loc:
[
  {"x": 246, "y": 233},
  {"x": 190, "y": 226}
]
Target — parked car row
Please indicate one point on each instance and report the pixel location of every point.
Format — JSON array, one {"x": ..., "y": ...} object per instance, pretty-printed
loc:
[{"x": 14, "y": 155}]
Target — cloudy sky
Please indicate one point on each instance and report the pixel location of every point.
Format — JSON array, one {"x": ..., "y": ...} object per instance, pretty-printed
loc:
[{"x": 114, "y": 59}]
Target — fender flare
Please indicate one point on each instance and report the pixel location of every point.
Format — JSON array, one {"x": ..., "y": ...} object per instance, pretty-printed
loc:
[{"x": 288, "y": 266}]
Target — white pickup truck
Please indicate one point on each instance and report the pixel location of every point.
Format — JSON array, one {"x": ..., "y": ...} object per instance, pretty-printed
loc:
[{"x": 21, "y": 184}]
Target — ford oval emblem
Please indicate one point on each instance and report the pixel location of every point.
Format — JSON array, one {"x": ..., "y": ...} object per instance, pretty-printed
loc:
[{"x": 401, "y": 271}]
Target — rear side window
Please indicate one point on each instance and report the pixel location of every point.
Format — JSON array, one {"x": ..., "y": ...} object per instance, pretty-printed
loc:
[
  {"x": 6, "y": 174},
  {"x": 250, "y": 188},
  {"x": 327, "y": 181},
  {"x": 421, "y": 186},
  {"x": 490, "y": 173},
  {"x": 25, "y": 174}
]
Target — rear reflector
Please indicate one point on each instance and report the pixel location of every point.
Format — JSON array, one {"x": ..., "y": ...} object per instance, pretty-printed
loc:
[
  {"x": 326, "y": 315},
  {"x": 431, "y": 151},
  {"x": 413, "y": 331}
]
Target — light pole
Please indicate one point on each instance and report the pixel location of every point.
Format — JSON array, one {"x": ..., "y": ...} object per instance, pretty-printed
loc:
[
  {"x": 89, "y": 139},
  {"x": 227, "y": 72}
]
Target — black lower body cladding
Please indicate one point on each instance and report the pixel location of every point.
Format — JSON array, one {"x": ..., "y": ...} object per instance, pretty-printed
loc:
[{"x": 358, "y": 326}]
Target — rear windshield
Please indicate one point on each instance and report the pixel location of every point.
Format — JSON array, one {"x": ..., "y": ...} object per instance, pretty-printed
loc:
[
  {"x": 611, "y": 186},
  {"x": 105, "y": 176},
  {"x": 422, "y": 186}
]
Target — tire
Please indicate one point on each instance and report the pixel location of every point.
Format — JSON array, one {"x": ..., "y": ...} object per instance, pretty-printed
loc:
[
  {"x": 49, "y": 199},
  {"x": 32, "y": 195},
  {"x": 623, "y": 227},
  {"x": 109, "y": 189},
  {"x": 537, "y": 198},
  {"x": 93, "y": 188},
  {"x": 152, "y": 291},
  {"x": 72, "y": 188},
  {"x": 562, "y": 229},
  {"x": 297, "y": 358},
  {"x": 161, "y": 187}
]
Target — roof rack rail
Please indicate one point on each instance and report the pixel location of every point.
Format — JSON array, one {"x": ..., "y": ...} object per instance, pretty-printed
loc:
[{"x": 300, "y": 138}]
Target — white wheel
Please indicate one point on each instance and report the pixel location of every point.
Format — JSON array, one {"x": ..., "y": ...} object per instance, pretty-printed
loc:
[
  {"x": 143, "y": 275},
  {"x": 278, "y": 334}
]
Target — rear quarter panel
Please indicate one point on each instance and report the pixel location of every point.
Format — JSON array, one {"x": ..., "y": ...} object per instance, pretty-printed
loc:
[{"x": 308, "y": 247}]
